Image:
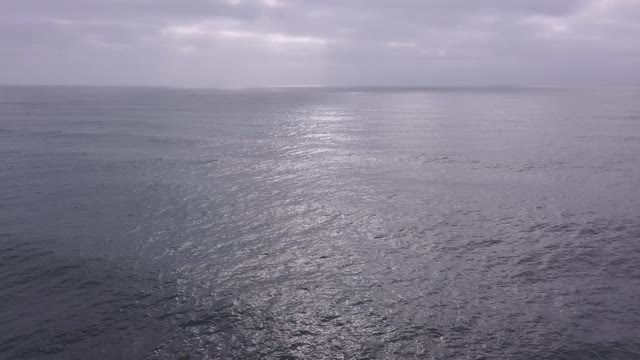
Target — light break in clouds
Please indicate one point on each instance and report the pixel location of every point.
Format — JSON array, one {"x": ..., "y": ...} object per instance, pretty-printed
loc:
[{"x": 332, "y": 42}]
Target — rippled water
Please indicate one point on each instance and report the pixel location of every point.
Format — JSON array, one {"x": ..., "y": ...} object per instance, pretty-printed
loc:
[{"x": 319, "y": 223}]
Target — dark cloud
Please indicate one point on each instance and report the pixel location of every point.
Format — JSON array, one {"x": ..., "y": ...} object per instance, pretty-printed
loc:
[{"x": 332, "y": 42}]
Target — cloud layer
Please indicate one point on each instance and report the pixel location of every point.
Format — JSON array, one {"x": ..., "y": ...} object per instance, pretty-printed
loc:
[{"x": 330, "y": 42}]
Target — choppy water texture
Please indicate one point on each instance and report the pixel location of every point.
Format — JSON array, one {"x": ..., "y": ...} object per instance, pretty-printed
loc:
[{"x": 319, "y": 223}]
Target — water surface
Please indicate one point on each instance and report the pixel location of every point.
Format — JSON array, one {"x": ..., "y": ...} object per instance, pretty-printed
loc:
[{"x": 369, "y": 223}]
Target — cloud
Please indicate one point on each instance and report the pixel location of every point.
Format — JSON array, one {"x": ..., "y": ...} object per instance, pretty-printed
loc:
[
  {"x": 232, "y": 32},
  {"x": 401, "y": 44},
  {"x": 331, "y": 42}
]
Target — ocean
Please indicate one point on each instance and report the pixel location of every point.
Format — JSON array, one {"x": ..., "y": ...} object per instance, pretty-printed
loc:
[{"x": 319, "y": 223}]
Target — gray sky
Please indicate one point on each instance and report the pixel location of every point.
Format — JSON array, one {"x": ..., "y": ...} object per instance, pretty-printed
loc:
[{"x": 323, "y": 42}]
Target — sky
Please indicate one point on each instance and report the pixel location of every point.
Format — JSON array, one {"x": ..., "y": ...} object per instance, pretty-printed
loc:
[{"x": 322, "y": 42}]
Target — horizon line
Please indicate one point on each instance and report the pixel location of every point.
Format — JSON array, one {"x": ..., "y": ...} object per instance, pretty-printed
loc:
[{"x": 315, "y": 86}]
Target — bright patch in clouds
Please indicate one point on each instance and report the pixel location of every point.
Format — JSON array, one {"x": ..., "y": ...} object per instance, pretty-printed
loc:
[
  {"x": 401, "y": 44},
  {"x": 273, "y": 3},
  {"x": 265, "y": 3},
  {"x": 214, "y": 31}
]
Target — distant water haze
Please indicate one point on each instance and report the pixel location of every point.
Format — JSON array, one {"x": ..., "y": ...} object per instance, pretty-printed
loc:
[{"x": 319, "y": 223}]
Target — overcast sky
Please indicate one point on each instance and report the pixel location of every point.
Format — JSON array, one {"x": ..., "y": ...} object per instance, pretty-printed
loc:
[{"x": 323, "y": 42}]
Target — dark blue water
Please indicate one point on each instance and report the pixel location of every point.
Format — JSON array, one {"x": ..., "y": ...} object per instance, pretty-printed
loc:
[{"x": 319, "y": 223}]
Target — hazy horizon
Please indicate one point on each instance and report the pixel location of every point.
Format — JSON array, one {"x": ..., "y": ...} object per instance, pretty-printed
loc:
[
  {"x": 434, "y": 87},
  {"x": 257, "y": 43}
]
